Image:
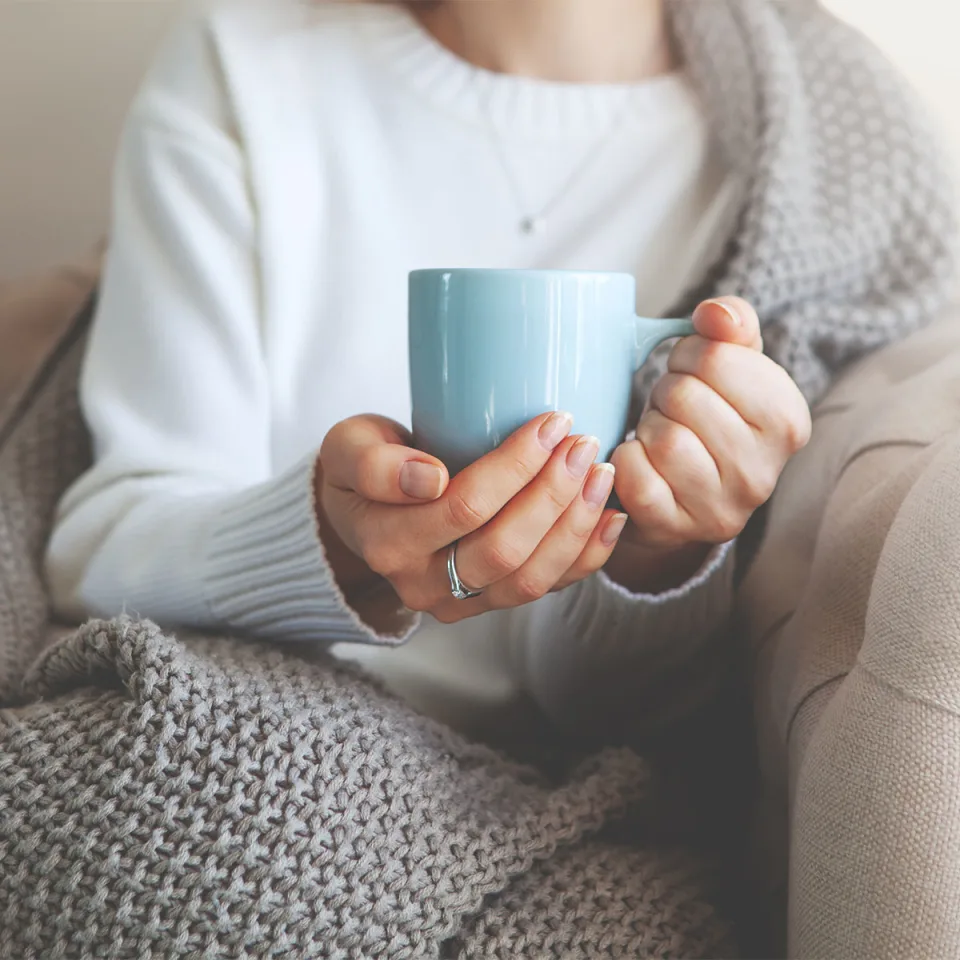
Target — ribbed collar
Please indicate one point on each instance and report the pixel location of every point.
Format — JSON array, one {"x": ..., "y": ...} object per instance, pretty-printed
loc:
[{"x": 514, "y": 105}]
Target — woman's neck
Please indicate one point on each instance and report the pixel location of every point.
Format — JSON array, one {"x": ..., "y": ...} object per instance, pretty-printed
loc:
[{"x": 580, "y": 41}]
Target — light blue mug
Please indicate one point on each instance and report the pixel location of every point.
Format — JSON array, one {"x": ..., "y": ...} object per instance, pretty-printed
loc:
[{"x": 492, "y": 349}]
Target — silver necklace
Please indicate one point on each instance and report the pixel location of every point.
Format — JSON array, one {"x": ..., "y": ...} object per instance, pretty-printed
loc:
[{"x": 534, "y": 221}]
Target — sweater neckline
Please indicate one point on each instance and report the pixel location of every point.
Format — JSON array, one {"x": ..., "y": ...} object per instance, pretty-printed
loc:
[{"x": 515, "y": 105}]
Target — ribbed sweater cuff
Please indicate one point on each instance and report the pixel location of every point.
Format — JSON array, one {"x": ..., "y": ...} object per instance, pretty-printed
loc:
[
  {"x": 598, "y": 627},
  {"x": 664, "y": 624},
  {"x": 266, "y": 572},
  {"x": 594, "y": 654}
]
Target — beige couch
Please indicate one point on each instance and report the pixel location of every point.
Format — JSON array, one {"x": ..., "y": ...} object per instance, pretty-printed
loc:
[{"x": 852, "y": 608}]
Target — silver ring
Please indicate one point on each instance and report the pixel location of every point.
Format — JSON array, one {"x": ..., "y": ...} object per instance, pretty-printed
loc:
[{"x": 458, "y": 588}]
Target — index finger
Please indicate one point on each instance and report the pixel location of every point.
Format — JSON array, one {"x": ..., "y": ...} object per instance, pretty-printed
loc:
[
  {"x": 479, "y": 492},
  {"x": 730, "y": 319}
]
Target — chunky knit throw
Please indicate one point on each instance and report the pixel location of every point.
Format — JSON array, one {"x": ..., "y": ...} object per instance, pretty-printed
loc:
[{"x": 207, "y": 797}]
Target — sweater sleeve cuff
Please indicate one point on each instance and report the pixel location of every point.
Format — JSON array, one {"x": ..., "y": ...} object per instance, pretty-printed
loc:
[
  {"x": 266, "y": 572},
  {"x": 657, "y": 626},
  {"x": 613, "y": 616},
  {"x": 593, "y": 655},
  {"x": 597, "y": 625}
]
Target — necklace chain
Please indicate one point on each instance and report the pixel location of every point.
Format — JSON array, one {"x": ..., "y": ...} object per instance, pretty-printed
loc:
[{"x": 533, "y": 221}]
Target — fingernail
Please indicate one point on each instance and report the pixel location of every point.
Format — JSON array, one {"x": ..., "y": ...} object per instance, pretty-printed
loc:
[
  {"x": 728, "y": 310},
  {"x": 613, "y": 529},
  {"x": 581, "y": 455},
  {"x": 554, "y": 429},
  {"x": 422, "y": 481},
  {"x": 598, "y": 488}
]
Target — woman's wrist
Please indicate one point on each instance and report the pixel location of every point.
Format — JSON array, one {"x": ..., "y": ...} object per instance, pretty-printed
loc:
[{"x": 643, "y": 569}]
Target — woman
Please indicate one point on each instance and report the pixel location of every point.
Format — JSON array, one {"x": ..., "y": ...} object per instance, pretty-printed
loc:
[{"x": 284, "y": 167}]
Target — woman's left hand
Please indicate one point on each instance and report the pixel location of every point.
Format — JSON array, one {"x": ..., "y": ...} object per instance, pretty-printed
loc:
[{"x": 718, "y": 429}]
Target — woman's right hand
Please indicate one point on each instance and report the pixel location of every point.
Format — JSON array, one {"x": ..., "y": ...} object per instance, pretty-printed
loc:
[{"x": 530, "y": 517}]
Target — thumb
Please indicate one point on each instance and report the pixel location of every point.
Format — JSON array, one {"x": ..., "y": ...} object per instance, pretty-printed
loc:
[
  {"x": 369, "y": 456},
  {"x": 730, "y": 319}
]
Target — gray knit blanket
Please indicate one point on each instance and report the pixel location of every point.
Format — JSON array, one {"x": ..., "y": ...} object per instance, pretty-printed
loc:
[{"x": 179, "y": 796}]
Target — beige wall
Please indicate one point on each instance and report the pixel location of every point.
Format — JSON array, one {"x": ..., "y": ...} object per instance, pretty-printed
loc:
[
  {"x": 921, "y": 37},
  {"x": 67, "y": 71},
  {"x": 69, "y": 67}
]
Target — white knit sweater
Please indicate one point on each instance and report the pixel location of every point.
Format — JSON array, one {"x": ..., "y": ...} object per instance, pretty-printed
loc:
[{"x": 282, "y": 169}]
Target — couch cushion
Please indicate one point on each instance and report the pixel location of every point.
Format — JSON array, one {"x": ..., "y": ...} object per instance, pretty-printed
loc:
[{"x": 35, "y": 314}]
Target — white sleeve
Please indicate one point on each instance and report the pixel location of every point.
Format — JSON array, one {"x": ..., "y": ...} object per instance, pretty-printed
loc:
[
  {"x": 181, "y": 519},
  {"x": 601, "y": 660}
]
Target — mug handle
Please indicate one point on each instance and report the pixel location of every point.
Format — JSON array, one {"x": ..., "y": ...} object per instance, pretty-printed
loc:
[{"x": 650, "y": 333}]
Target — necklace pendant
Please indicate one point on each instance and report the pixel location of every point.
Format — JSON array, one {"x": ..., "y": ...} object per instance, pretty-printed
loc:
[{"x": 531, "y": 225}]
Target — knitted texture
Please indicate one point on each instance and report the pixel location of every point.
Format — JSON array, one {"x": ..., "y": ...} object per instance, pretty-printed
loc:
[{"x": 205, "y": 797}]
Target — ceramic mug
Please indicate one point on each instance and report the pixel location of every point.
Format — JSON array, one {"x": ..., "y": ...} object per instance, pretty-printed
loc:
[{"x": 492, "y": 349}]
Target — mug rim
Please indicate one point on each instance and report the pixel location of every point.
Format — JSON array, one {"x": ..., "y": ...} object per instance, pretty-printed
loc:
[{"x": 521, "y": 271}]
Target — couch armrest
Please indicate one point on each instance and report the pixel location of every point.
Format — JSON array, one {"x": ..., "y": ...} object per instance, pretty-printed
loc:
[
  {"x": 875, "y": 757},
  {"x": 807, "y": 606}
]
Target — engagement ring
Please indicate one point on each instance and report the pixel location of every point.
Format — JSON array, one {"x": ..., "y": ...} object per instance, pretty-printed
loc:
[{"x": 458, "y": 588}]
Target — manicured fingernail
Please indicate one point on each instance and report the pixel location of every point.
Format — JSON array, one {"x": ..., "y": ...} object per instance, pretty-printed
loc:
[
  {"x": 581, "y": 455},
  {"x": 554, "y": 429},
  {"x": 613, "y": 529},
  {"x": 422, "y": 481},
  {"x": 728, "y": 310},
  {"x": 598, "y": 488}
]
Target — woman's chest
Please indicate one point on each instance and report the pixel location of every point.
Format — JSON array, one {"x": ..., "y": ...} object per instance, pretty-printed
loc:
[{"x": 335, "y": 297}]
